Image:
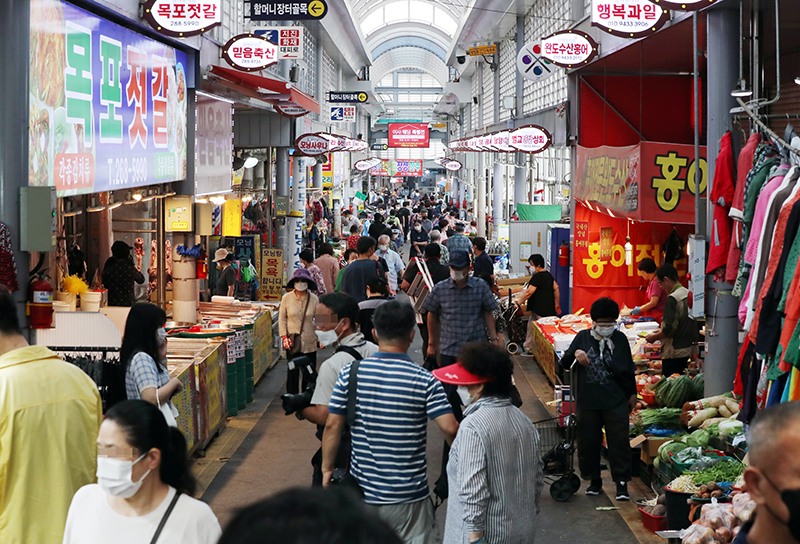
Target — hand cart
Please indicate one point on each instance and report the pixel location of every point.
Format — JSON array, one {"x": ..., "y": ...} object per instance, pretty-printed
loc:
[
  {"x": 514, "y": 322},
  {"x": 558, "y": 443}
]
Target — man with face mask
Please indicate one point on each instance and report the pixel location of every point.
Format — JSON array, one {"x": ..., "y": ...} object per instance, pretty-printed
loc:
[
  {"x": 393, "y": 261},
  {"x": 459, "y": 312},
  {"x": 773, "y": 477},
  {"x": 336, "y": 323},
  {"x": 605, "y": 396}
]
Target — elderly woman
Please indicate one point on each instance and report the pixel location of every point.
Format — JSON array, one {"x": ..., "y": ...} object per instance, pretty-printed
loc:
[
  {"x": 495, "y": 467},
  {"x": 296, "y": 323},
  {"x": 307, "y": 260}
]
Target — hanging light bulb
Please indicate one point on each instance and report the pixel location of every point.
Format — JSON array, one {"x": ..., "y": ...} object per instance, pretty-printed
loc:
[{"x": 628, "y": 246}]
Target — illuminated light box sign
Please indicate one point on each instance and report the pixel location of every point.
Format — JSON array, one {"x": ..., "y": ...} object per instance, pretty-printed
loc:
[
  {"x": 214, "y": 145},
  {"x": 686, "y": 5},
  {"x": 397, "y": 168},
  {"x": 312, "y": 145},
  {"x": 628, "y": 18},
  {"x": 409, "y": 135},
  {"x": 107, "y": 106},
  {"x": 291, "y": 110},
  {"x": 182, "y": 18},
  {"x": 569, "y": 48},
  {"x": 249, "y": 52}
]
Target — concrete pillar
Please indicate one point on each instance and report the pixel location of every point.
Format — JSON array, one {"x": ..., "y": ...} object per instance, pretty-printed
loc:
[
  {"x": 480, "y": 201},
  {"x": 519, "y": 88},
  {"x": 462, "y": 196},
  {"x": 297, "y": 217},
  {"x": 498, "y": 186},
  {"x": 721, "y": 307},
  {"x": 521, "y": 193},
  {"x": 282, "y": 189},
  {"x": 317, "y": 183}
]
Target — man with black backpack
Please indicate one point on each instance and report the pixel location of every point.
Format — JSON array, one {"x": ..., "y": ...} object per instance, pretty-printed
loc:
[{"x": 336, "y": 324}]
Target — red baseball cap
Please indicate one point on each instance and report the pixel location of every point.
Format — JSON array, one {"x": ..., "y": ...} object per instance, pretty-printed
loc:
[{"x": 458, "y": 375}]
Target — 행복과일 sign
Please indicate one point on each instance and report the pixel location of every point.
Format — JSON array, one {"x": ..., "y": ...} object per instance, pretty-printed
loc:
[{"x": 628, "y": 18}]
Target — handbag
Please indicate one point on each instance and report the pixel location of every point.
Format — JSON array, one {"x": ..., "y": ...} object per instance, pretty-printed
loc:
[
  {"x": 297, "y": 339},
  {"x": 169, "y": 411},
  {"x": 164, "y": 519}
]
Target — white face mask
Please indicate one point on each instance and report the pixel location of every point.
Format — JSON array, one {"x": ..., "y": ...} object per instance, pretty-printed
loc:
[
  {"x": 161, "y": 335},
  {"x": 417, "y": 228},
  {"x": 463, "y": 394},
  {"x": 604, "y": 330},
  {"x": 458, "y": 275},
  {"x": 383, "y": 248},
  {"x": 300, "y": 286},
  {"x": 115, "y": 476},
  {"x": 327, "y": 338}
]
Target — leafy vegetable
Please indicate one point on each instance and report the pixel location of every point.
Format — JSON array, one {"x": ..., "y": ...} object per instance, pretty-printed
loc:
[
  {"x": 725, "y": 471},
  {"x": 661, "y": 417}
]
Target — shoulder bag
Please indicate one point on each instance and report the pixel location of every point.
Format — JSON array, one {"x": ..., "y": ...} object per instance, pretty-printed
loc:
[
  {"x": 342, "y": 476},
  {"x": 170, "y": 508},
  {"x": 297, "y": 339}
]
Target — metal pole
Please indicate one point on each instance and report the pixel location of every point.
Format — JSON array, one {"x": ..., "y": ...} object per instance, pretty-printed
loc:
[
  {"x": 696, "y": 62},
  {"x": 160, "y": 257},
  {"x": 497, "y": 204},
  {"x": 282, "y": 189},
  {"x": 480, "y": 209}
]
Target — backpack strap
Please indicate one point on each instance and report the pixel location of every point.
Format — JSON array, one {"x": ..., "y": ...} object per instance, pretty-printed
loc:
[{"x": 350, "y": 351}]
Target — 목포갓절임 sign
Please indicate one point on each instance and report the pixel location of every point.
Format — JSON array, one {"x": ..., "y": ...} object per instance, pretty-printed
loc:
[{"x": 107, "y": 105}]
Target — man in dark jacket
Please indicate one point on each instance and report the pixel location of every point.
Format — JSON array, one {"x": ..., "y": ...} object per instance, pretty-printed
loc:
[
  {"x": 119, "y": 273},
  {"x": 605, "y": 396}
]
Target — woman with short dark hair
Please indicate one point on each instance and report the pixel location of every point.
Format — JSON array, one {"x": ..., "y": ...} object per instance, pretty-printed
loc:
[
  {"x": 656, "y": 296},
  {"x": 143, "y": 479},
  {"x": 495, "y": 467}
]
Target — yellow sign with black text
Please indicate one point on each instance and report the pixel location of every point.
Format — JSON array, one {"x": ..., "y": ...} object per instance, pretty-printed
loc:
[{"x": 482, "y": 50}]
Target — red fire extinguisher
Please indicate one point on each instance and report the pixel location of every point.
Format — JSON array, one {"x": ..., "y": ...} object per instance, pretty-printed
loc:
[
  {"x": 563, "y": 254},
  {"x": 40, "y": 307}
]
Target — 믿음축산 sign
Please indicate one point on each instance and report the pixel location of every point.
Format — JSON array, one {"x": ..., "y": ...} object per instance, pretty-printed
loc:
[{"x": 107, "y": 106}]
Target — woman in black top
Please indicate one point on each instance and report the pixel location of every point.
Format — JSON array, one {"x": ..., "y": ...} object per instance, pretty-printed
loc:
[
  {"x": 605, "y": 396},
  {"x": 377, "y": 295},
  {"x": 119, "y": 273},
  {"x": 226, "y": 281}
]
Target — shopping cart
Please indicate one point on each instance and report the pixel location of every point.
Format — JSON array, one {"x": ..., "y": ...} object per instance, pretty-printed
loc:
[
  {"x": 558, "y": 443},
  {"x": 513, "y": 322}
]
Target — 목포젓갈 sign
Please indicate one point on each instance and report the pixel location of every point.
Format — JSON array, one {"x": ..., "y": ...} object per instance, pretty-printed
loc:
[
  {"x": 182, "y": 18},
  {"x": 107, "y": 107}
]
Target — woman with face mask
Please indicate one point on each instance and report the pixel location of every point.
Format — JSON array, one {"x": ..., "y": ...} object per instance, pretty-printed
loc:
[
  {"x": 605, "y": 396},
  {"x": 226, "y": 280},
  {"x": 143, "y": 483},
  {"x": 144, "y": 353},
  {"x": 377, "y": 295},
  {"x": 296, "y": 323},
  {"x": 494, "y": 469}
]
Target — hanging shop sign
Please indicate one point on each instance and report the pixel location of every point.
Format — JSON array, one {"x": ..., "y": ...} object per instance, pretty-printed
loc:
[
  {"x": 686, "y": 5},
  {"x": 107, "y": 106},
  {"x": 278, "y": 10},
  {"x": 500, "y": 142},
  {"x": 409, "y": 135},
  {"x": 530, "y": 139},
  {"x": 532, "y": 64},
  {"x": 482, "y": 50},
  {"x": 289, "y": 40},
  {"x": 628, "y": 18},
  {"x": 336, "y": 97},
  {"x": 453, "y": 165},
  {"x": 250, "y": 52},
  {"x": 182, "y": 18},
  {"x": 379, "y": 147},
  {"x": 291, "y": 110},
  {"x": 271, "y": 284},
  {"x": 397, "y": 168},
  {"x": 343, "y": 114},
  {"x": 649, "y": 182},
  {"x": 312, "y": 145},
  {"x": 569, "y": 48},
  {"x": 213, "y": 145},
  {"x": 363, "y": 165}
]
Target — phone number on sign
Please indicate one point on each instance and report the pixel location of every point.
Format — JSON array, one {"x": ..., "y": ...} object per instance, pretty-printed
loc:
[{"x": 122, "y": 171}]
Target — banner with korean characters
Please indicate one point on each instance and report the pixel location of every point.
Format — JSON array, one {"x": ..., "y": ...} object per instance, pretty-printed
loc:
[
  {"x": 628, "y": 18},
  {"x": 409, "y": 135},
  {"x": 391, "y": 167},
  {"x": 285, "y": 10},
  {"x": 271, "y": 287},
  {"x": 289, "y": 40},
  {"x": 649, "y": 182},
  {"x": 213, "y": 145},
  {"x": 569, "y": 48},
  {"x": 182, "y": 18},
  {"x": 247, "y": 249},
  {"x": 250, "y": 52},
  {"x": 596, "y": 275},
  {"x": 107, "y": 105},
  {"x": 530, "y": 139}
]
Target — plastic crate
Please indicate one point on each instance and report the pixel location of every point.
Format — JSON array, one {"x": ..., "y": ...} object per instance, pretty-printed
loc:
[{"x": 653, "y": 523}]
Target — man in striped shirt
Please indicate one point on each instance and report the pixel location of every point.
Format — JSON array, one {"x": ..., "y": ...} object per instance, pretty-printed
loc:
[{"x": 394, "y": 398}]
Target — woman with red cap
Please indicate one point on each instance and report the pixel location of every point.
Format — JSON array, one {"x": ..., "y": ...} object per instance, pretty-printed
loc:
[{"x": 495, "y": 468}]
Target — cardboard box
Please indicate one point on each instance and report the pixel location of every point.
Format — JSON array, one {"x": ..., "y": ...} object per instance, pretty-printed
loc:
[{"x": 649, "y": 445}]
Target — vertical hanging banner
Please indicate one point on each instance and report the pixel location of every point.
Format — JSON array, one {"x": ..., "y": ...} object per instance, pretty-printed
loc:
[
  {"x": 107, "y": 106},
  {"x": 606, "y": 242},
  {"x": 232, "y": 218},
  {"x": 628, "y": 18},
  {"x": 289, "y": 40},
  {"x": 213, "y": 145},
  {"x": 271, "y": 287}
]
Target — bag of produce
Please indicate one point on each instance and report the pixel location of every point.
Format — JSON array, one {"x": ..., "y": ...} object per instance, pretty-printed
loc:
[
  {"x": 689, "y": 454},
  {"x": 719, "y": 517},
  {"x": 743, "y": 507},
  {"x": 699, "y": 534}
]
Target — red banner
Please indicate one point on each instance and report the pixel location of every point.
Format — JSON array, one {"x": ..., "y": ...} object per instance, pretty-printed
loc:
[
  {"x": 649, "y": 182},
  {"x": 409, "y": 135},
  {"x": 595, "y": 276}
]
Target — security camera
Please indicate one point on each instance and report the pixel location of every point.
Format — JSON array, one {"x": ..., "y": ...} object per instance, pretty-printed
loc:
[{"x": 461, "y": 56}]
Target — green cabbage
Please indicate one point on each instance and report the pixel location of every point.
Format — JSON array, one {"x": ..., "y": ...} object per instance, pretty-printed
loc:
[{"x": 670, "y": 447}]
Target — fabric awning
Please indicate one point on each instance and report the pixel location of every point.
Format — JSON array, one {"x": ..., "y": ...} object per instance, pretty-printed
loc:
[
  {"x": 280, "y": 92},
  {"x": 539, "y": 212}
]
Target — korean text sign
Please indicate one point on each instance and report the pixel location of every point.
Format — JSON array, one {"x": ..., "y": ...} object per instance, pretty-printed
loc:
[
  {"x": 398, "y": 168},
  {"x": 107, "y": 105},
  {"x": 649, "y": 182},
  {"x": 409, "y": 135},
  {"x": 214, "y": 146}
]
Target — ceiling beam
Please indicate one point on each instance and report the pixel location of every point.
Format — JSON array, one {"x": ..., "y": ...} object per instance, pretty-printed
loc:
[{"x": 408, "y": 89}]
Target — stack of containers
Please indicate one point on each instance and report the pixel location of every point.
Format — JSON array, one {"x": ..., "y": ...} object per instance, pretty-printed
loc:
[{"x": 244, "y": 354}]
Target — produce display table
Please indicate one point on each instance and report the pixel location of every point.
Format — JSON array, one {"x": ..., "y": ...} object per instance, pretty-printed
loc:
[{"x": 544, "y": 352}]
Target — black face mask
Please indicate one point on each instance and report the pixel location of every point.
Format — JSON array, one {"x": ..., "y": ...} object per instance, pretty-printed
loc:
[{"x": 791, "y": 498}]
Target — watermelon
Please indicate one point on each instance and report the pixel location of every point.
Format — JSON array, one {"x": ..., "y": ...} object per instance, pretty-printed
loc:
[
  {"x": 699, "y": 386},
  {"x": 662, "y": 390},
  {"x": 679, "y": 392}
]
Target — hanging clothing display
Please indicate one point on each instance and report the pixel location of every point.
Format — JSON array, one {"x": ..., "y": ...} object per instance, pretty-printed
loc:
[
  {"x": 745, "y": 165},
  {"x": 673, "y": 247},
  {"x": 722, "y": 195},
  {"x": 8, "y": 267}
]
